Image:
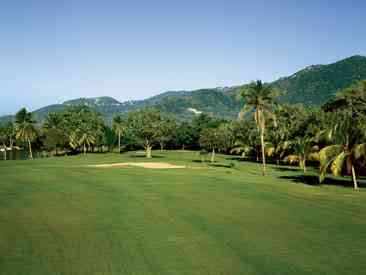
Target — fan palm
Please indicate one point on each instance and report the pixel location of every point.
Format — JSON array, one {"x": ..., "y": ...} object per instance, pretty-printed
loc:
[
  {"x": 25, "y": 129},
  {"x": 259, "y": 99}
]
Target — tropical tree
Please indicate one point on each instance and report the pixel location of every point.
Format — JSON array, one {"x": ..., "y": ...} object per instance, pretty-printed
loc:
[
  {"x": 247, "y": 142},
  {"x": 83, "y": 126},
  {"x": 303, "y": 148},
  {"x": 227, "y": 136},
  {"x": 83, "y": 137},
  {"x": 210, "y": 140},
  {"x": 9, "y": 132},
  {"x": 119, "y": 127},
  {"x": 3, "y": 139},
  {"x": 259, "y": 99},
  {"x": 166, "y": 130},
  {"x": 341, "y": 157},
  {"x": 145, "y": 125},
  {"x": 184, "y": 135},
  {"x": 25, "y": 128},
  {"x": 54, "y": 130}
]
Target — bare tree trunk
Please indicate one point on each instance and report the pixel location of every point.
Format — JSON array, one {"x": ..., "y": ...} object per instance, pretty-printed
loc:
[
  {"x": 30, "y": 149},
  {"x": 355, "y": 186},
  {"x": 84, "y": 148},
  {"x": 119, "y": 141},
  {"x": 213, "y": 156},
  {"x": 263, "y": 153}
]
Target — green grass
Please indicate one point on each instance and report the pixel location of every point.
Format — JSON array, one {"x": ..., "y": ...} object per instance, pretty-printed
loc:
[{"x": 58, "y": 216}]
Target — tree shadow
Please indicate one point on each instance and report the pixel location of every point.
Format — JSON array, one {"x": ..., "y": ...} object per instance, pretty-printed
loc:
[
  {"x": 314, "y": 180},
  {"x": 286, "y": 168},
  {"x": 143, "y": 156},
  {"x": 220, "y": 165},
  {"x": 241, "y": 159}
]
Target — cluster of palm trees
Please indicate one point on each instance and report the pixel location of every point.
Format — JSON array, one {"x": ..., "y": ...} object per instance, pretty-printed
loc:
[{"x": 334, "y": 135}]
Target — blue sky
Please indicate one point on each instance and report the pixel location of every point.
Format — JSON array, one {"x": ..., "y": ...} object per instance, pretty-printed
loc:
[{"x": 51, "y": 51}]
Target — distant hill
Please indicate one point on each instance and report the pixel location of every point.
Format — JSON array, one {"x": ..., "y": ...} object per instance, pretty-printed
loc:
[
  {"x": 316, "y": 84},
  {"x": 313, "y": 85}
]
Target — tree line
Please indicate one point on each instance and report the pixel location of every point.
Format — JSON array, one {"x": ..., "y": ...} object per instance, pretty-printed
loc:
[{"x": 332, "y": 136}]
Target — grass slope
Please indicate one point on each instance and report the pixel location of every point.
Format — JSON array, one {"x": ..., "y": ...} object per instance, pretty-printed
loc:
[{"x": 58, "y": 216}]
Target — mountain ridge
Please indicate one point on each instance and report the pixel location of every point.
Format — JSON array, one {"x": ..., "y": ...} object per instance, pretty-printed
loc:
[{"x": 311, "y": 86}]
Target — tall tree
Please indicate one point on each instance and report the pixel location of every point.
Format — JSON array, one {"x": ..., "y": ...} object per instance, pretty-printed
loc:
[
  {"x": 259, "y": 99},
  {"x": 119, "y": 127},
  {"x": 25, "y": 128}
]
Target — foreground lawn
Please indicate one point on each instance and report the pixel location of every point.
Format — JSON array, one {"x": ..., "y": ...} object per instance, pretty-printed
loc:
[{"x": 59, "y": 216}]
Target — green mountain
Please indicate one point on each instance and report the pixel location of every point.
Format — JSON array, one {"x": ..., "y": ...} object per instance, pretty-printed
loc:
[
  {"x": 313, "y": 85},
  {"x": 316, "y": 84}
]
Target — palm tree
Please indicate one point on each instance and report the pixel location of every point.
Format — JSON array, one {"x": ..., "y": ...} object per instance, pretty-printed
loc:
[
  {"x": 303, "y": 147},
  {"x": 54, "y": 130},
  {"x": 259, "y": 99},
  {"x": 83, "y": 136},
  {"x": 345, "y": 151},
  {"x": 25, "y": 129},
  {"x": 119, "y": 127},
  {"x": 53, "y": 121}
]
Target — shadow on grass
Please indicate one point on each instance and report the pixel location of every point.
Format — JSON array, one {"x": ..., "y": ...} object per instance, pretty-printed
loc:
[
  {"x": 314, "y": 180},
  {"x": 220, "y": 165},
  {"x": 215, "y": 164},
  {"x": 143, "y": 156},
  {"x": 287, "y": 168}
]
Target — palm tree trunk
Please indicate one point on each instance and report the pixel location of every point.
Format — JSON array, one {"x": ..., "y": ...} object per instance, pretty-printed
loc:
[
  {"x": 213, "y": 156},
  {"x": 30, "y": 149},
  {"x": 303, "y": 164},
  {"x": 119, "y": 141},
  {"x": 263, "y": 153},
  {"x": 355, "y": 186},
  {"x": 84, "y": 148}
]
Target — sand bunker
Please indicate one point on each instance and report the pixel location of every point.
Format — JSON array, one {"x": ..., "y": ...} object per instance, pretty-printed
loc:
[{"x": 150, "y": 165}]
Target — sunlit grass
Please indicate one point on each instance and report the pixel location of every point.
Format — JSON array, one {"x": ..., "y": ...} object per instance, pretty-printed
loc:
[{"x": 58, "y": 216}]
